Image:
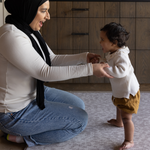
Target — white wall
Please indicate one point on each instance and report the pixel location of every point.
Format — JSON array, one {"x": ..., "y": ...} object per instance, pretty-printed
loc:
[{"x": 3, "y": 12}]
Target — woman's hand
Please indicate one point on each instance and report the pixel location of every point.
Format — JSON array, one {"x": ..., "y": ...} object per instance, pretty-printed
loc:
[
  {"x": 98, "y": 70},
  {"x": 93, "y": 58}
]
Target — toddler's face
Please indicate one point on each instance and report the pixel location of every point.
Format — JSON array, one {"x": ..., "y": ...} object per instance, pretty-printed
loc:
[{"x": 107, "y": 46}]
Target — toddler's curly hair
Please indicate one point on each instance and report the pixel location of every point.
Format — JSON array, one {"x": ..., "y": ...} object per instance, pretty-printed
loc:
[{"x": 116, "y": 31}]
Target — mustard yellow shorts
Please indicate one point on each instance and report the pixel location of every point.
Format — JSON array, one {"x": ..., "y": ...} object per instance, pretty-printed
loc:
[{"x": 130, "y": 105}]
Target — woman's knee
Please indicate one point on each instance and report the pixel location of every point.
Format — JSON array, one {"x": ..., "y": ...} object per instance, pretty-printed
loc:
[
  {"x": 56, "y": 95},
  {"x": 83, "y": 119}
]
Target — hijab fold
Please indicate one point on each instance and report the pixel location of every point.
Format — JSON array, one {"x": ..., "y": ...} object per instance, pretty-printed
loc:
[{"x": 22, "y": 14}]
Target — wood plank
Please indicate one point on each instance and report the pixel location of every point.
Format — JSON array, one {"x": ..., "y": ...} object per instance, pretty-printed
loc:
[
  {"x": 142, "y": 66},
  {"x": 80, "y": 25},
  {"x": 108, "y": 20},
  {"x": 64, "y": 9},
  {"x": 64, "y": 28},
  {"x": 142, "y": 33},
  {"x": 49, "y": 33},
  {"x": 142, "y": 9},
  {"x": 52, "y": 9},
  {"x": 80, "y": 5},
  {"x": 96, "y": 9},
  {"x": 111, "y": 9},
  {"x": 127, "y": 9}
]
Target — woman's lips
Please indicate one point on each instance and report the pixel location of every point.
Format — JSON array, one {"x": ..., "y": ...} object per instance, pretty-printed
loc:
[{"x": 41, "y": 23}]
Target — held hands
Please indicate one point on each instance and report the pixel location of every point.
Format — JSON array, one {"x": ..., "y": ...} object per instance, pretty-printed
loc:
[
  {"x": 93, "y": 58},
  {"x": 98, "y": 70}
]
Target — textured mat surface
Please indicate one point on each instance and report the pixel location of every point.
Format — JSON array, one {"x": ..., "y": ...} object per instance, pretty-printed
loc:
[{"x": 99, "y": 135}]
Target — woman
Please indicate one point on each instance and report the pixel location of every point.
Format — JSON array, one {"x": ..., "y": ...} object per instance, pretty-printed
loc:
[{"x": 29, "y": 111}]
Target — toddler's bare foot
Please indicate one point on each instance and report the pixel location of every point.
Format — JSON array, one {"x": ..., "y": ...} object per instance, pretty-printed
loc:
[
  {"x": 115, "y": 123},
  {"x": 126, "y": 145}
]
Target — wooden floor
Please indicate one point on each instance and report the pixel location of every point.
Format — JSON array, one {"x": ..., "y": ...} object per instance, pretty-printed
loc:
[{"x": 89, "y": 87}]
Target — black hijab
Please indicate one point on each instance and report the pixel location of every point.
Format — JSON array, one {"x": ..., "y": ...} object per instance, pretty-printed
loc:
[{"x": 22, "y": 14}]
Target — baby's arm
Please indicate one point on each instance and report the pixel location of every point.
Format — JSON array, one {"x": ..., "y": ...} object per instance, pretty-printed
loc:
[{"x": 119, "y": 68}]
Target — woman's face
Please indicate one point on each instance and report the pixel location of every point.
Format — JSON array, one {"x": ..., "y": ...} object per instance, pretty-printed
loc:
[{"x": 41, "y": 16}]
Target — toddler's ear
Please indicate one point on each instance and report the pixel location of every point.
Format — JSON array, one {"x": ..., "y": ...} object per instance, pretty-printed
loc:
[{"x": 115, "y": 43}]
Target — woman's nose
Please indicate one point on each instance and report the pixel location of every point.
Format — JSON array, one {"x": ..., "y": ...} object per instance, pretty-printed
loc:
[{"x": 48, "y": 16}]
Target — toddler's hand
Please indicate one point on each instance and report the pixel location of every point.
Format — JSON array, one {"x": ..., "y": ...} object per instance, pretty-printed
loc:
[
  {"x": 94, "y": 60},
  {"x": 98, "y": 70}
]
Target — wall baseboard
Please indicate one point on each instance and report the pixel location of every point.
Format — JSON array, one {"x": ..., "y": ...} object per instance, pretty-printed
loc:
[{"x": 89, "y": 86}]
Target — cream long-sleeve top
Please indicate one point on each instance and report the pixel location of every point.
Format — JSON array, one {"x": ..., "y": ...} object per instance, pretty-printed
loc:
[
  {"x": 124, "y": 82},
  {"x": 21, "y": 65}
]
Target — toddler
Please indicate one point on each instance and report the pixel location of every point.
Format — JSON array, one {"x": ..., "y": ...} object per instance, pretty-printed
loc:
[{"x": 125, "y": 87}]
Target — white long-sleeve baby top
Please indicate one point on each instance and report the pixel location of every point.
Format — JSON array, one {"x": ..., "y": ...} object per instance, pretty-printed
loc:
[{"x": 124, "y": 82}]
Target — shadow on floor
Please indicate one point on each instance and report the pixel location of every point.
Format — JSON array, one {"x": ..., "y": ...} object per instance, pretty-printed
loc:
[{"x": 6, "y": 145}]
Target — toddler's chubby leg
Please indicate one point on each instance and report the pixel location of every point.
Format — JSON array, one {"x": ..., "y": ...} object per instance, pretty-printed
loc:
[
  {"x": 118, "y": 121},
  {"x": 128, "y": 130}
]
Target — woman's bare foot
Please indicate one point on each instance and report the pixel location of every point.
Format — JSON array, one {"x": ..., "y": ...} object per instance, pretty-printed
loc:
[
  {"x": 115, "y": 123},
  {"x": 126, "y": 145}
]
